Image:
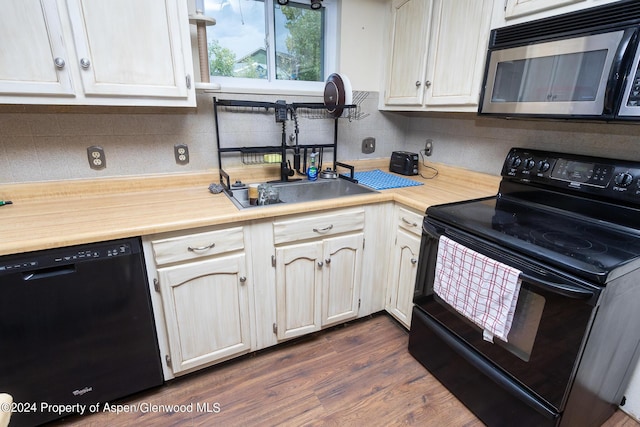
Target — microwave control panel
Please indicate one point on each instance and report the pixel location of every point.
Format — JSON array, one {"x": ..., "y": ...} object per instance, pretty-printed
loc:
[{"x": 618, "y": 179}]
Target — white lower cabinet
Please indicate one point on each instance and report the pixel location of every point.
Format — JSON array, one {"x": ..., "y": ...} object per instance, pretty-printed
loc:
[
  {"x": 201, "y": 297},
  {"x": 220, "y": 292},
  {"x": 402, "y": 277},
  {"x": 318, "y": 284},
  {"x": 298, "y": 289},
  {"x": 318, "y": 271},
  {"x": 206, "y": 307},
  {"x": 341, "y": 278}
]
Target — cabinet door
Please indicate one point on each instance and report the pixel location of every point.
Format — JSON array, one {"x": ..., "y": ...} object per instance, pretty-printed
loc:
[
  {"x": 206, "y": 308},
  {"x": 408, "y": 55},
  {"x": 341, "y": 278},
  {"x": 298, "y": 289},
  {"x": 457, "y": 52},
  {"x": 403, "y": 276},
  {"x": 32, "y": 45},
  {"x": 130, "y": 48},
  {"x": 515, "y": 8}
]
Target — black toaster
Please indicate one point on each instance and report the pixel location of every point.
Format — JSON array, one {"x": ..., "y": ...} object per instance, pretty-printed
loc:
[{"x": 404, "y": 163}]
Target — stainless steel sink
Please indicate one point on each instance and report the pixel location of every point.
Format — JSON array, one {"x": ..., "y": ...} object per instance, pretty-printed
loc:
[{"x": 306, "y": 191}]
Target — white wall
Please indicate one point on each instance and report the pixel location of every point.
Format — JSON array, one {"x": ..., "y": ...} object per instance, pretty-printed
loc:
[{"x": 363, "y": 34}]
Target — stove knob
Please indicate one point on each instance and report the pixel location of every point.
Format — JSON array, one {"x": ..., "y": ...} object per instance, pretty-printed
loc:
[
  {"x": 543, "y": 166},
  {"x": 515, "y": 162},
  {"x": 623, "y": 179},
  {"x": 529, "y": 163}
]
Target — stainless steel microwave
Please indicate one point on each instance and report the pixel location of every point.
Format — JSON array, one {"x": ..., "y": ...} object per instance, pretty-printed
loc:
[{"x": 581, "y": 65}]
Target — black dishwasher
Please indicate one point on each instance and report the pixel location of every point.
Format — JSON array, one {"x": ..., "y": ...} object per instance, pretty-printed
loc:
[{"x": 76, "y": 329}]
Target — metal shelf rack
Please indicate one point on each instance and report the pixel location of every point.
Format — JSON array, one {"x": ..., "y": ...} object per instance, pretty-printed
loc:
[{"x": 277, "y": 154}]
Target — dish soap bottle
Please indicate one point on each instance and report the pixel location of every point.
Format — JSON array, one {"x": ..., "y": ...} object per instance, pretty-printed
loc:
[{"x": 312, "y": 171}]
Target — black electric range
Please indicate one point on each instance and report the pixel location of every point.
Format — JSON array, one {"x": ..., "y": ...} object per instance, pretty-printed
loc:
[{"x": 570, "y": 224}]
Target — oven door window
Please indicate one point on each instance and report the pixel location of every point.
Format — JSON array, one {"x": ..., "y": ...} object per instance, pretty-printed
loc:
[
  {"x": 526, "y": 323},
  {"x": 524, "y": 328}
]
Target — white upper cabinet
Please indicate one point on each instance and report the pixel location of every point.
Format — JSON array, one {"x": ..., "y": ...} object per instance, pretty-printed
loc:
[
  {"x": 457, "y": 52},
  {"x": 515, "y": 8},
  {"x": 33, "y": 54},
  {"x": 517, "y": 11},
  {"x": 82, "y": 52},
  {"x": 408, "y": 53},
  {"x": 436, "y": 56},
  {"x": 129, "y": 51}
]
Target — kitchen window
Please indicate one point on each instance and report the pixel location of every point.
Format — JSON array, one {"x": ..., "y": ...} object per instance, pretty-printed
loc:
[{"x": 260, "y": 45}]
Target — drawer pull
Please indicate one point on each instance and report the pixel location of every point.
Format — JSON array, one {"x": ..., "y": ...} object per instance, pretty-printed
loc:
[
  {"x": 406, "y": 221},
  {"x": 243, "y": 279},
  {"x": 323, "y": 230},
  {"x": 201, "y": 248},
  {"x": 414, "y": 261}
]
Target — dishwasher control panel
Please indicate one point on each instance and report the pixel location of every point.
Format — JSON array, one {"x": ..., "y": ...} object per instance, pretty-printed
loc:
[{"x": 51, "y": 258}]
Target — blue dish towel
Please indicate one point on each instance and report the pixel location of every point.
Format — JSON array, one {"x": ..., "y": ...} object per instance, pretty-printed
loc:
[{"x": 379, "y": 180}]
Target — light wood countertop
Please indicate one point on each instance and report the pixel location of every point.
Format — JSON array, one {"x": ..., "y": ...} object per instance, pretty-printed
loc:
[{"x": 54, "y": 214}]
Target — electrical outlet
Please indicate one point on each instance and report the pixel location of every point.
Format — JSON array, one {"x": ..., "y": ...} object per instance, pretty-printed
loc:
[
  {"x": 181, "y": 152},
  {"x": 428, "y": 147},
  {"x": 368, "y": 145},
  {"x": 97, "y": 159}
]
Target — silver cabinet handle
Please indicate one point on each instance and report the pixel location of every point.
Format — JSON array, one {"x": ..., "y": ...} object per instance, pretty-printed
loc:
[
  {"x": 414, "y": 261},
  {"x": 418, "y": 83},
  {"x": 406, "y": 221},
  {"x": 427, "y": 83},
  {"x": 327, "y": 261},
  {"x": 243, "y": 279},
  {"x": 59, "y": 62},
  {"x": 320, "y": 264},
  {"x": 322, "y": 230},
  {"x": 85, "y": 63},
  {"x": 201, "y": 248}
]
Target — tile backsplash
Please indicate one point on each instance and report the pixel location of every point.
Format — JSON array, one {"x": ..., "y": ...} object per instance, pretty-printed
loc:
[
  {"x": 43, "y": 145},
  {"x": 481, "y": 143},
  {"x": 50, "y": 144}
]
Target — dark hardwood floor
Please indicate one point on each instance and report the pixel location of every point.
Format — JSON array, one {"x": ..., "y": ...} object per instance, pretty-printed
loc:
[{"x": 359, "y": 374}]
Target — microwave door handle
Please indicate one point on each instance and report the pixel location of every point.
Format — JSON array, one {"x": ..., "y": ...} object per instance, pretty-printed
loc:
[
  {"x": 621, "y": 61},
  {"x": 559, "y": 288}
]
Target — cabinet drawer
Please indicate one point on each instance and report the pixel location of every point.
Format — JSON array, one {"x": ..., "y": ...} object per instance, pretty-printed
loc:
[
  {"x": 410, "y": 221},
  {"x": 318, "y": 226},
  {"x": 197, "y": 245}
]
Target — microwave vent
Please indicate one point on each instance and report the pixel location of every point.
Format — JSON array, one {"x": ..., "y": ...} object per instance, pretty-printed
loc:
[{"x": 593, "y": 20}]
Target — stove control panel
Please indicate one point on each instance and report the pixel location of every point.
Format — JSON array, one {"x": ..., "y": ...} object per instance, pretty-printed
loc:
[{"x": 617, "y": 179}]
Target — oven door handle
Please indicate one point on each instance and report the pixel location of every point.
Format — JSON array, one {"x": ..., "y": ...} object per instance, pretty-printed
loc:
[
  {"x": 430, "y": 230},
  {"x": 559, "y": 288},
  {"x": 565, "y": 290}
]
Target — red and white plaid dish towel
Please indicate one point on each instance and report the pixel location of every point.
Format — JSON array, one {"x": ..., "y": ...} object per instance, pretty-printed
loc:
[{"x": 482, "y": 289}]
